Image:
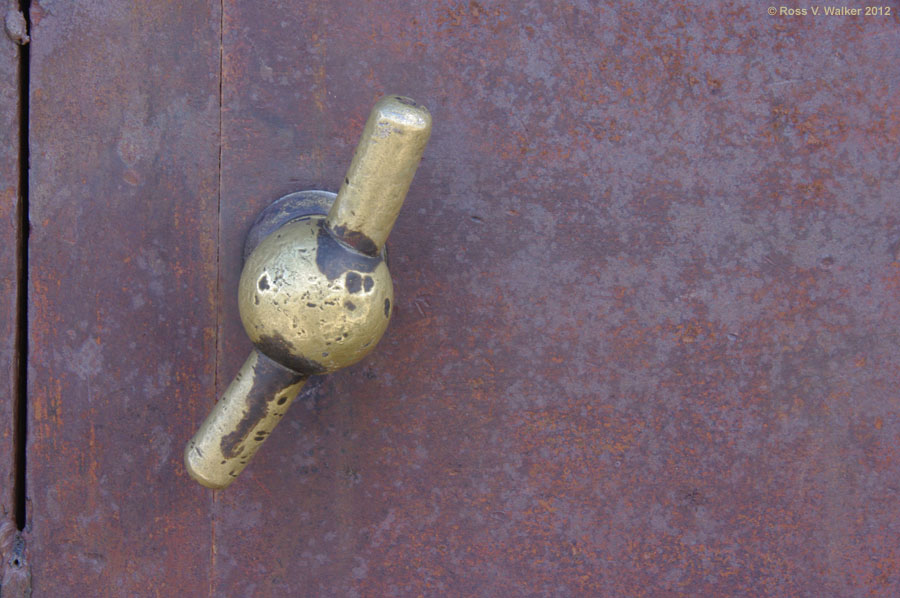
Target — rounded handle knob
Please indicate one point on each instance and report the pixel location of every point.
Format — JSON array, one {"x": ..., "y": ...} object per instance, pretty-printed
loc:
[{"x": 315, "y": 293}]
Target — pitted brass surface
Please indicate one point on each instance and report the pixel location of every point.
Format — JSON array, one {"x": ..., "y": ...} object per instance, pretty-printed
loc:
[
  {"x": 253, "y": 403},
  {"x": 379, "y": 176},
  {"x": 315, "y": 293},
  {"x": 310, "y": 303}
]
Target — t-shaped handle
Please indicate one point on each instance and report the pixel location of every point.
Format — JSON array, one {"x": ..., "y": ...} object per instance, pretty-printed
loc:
[{"x": 315, "y": 293}]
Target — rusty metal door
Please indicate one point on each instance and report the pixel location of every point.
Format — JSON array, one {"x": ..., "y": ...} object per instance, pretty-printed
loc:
[{"x": 645, "y": 339}]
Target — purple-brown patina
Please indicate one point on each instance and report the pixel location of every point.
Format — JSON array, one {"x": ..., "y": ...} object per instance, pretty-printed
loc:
[
  {"x": 647, "y": 297},
  {"x": 13, "y": 571}
]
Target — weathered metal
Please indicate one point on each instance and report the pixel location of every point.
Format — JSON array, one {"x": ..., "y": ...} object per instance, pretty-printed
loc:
[
  {"x": 252, "y": 405},
  {"x": 312, "y": 303},
  {"x": 122, "y": 283},
  {"x": 315, "y": 294},
  {"x": 647, "y": 281},
  {"x": 643, "y": 280},
  {"x": 9, "y": 235},
  {"x": 383, "y": 166},
  {"x": 13, "y": 570}
]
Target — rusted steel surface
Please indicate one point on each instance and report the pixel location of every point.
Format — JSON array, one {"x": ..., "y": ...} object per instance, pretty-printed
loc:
[
  {"x": 647, "y": 294},
  {"x": 647, "y": 303},
  {"x": 124, "y": 157},
  {"x": 9, "y": 229}
]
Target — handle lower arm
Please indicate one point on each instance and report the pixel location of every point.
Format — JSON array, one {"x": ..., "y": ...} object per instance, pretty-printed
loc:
[{"x": 240, "y": 422}]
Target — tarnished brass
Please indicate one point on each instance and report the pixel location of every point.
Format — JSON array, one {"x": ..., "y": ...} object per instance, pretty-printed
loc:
[
  {"x": 251, "y": 406},
  {"x": 315, "y": 294},
  {"x": 368, "y": 202},
  {"x": 309, "y": 302}
]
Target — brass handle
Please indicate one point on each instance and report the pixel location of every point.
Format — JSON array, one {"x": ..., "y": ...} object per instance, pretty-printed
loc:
[{"x": 315, "y": 293}]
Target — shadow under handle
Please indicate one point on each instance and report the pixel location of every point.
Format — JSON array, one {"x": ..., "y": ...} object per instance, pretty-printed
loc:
[{"x": 240, "y": 422}]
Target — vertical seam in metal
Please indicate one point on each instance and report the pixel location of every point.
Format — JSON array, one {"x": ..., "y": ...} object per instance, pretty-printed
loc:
[{"x": 21, "y": 340}]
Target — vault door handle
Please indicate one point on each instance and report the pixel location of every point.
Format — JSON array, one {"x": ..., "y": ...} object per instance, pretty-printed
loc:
[{"x": 315, "y": 294}]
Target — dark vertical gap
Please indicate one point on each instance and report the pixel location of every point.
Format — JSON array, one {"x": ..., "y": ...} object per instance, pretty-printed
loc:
[{"x": 21, "y": 408}]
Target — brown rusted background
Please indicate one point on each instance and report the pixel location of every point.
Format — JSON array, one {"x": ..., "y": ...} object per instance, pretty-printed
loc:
[
  {"x": 9, "y": 230},
  {"x": 648, "y": 289},
  {"x": 124, "y": 177}
]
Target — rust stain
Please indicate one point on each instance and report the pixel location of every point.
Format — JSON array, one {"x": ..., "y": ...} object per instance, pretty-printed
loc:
[
  {"x": 122, "y": 345},
  {"x": 645, "y": 282}
]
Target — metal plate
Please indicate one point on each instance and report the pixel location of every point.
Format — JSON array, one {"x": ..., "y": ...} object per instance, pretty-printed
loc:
[
  {"x": 124, "y": 193},
  {"x": 9, "y": 357},
  {"x": 647, "y": 287},
  {"x": 643, "y": 279}
]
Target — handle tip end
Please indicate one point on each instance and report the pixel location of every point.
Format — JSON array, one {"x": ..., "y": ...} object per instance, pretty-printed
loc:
[
  {"x": 402, "y": 113},
  {"x": 198, "y": 469}
]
